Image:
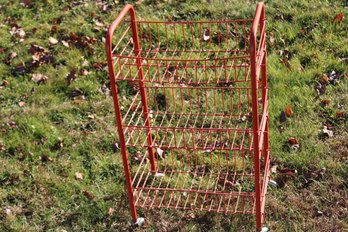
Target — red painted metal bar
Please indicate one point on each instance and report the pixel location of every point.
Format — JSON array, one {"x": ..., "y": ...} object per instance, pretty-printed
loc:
[
  {"x": 258, "y": 21},
  {"x": 108, "y": 46},
  {"x": 142, "y": 90}
]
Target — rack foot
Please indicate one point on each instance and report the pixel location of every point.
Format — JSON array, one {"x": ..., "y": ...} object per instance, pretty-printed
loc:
[
  {"x": 140, "y": 222},
  {"x": 264, "y": 229},
  {"x": 273, "y": 183}
]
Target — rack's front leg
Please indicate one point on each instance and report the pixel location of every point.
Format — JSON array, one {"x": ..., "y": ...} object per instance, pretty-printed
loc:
[{"x": 142, "y": 90}]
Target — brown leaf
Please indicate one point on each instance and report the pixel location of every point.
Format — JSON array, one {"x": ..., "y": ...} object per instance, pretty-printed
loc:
[
  {"x": 58, "y": 145},
  {"x": 12, "y": 55},
  {"x": 73, "y": 36},
  {"x": 84, "y": 72},
  {"x": 325, "y": 102},
  {"x": 320, "y": 89},
  {"x": 339, "y": 17},
  {"x": 78, "y": 176},
  {"x": 339, "y": 114},
  {"x": 98, "y": 66},
  {"x": 293, "y": 141},
  {"x": 19, "y": 69},
  {"x": 71, "y": 76},
  {"x": 76, "y": 92},
  {"x": 77, "y": 102},
  {"x": 2, "y": 50},
  {"x": 288, "y": 171},
  {"x": 288, "y": 111},
  {"x": 36, "y": 49},
  {"x": 26, "y": 3},
  {"x": 294, "y": 144},
  {"x": 88, "y": 195},
  {"x": 324, "y": 79},
  {"x": 54, "y": 28},
  {"x": 45, "y": 158}
]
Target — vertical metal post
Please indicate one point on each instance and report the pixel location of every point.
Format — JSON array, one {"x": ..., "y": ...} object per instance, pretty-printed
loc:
[
  {"x": 259, "y": 14},
  {"x": 142, "y": 89},
  {"x": 264, "y": 100},
  {"x": 108, "y": 48}
]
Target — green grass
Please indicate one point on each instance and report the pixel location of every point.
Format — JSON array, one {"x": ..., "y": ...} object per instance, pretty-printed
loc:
[{"x": 55, "y": 135}]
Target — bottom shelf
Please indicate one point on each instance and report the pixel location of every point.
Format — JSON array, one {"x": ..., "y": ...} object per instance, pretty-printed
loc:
[{"x": 216, "y": 190}]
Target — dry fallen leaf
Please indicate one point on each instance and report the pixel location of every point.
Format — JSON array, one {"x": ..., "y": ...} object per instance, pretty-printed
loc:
[
  {"x": 110, "y": 211},
  {"x": 88, "y": 195},
  {"x": 294, "y": 144},
  {"x": 53, "y": 41},
  {"x": 12, "y": 55},
  {"x": 26, "y": 3},
  {"x": 325, "y": 102},
  {"x": 206, "y": 35},
  {"x": 54, "y": 29},
  {"x": 5, "y": 83},
  {"x": 282, "y": 116},
  {"x": 288, "y": 171},
  {"x": 76, "y": 92},
  {"x": 288, "y": 111},
  {"x": 2, "y": 147},
  {"x": 78, "y": 176},
  {"x": 271, "y": 39},
  {"x": 339, "y": 114},
  {"x": 39, "y": 78},
  {"x": 334, "y": 78},
  {"x": 71, "y": 76},
  {"x": 115, "y": 147},
  {"x": 327, "y": 132},
  {"x": 34, "y": 49},
  {"x": 65, "y": 43},
  {"x": 19, "y": 69},
  {"x": 160, "y": 152},
  {"x": 320, "y": 89},
  {"x": 338, "y": 18},
  {"x": 274, "y": 169},
  {"x": 58, "y": 145},
  {"x": 98, "y": 66},
  {"x": 17, "y": 32},
  {"x": 45, "y": 158},
  {"x": 21, "y": 103},
  {"x": 324, "y": 79},
  {"x": 77, "y": 102}
]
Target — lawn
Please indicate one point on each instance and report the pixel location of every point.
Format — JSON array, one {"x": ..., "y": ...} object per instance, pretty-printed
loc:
[{"x": 60, "y": 166}]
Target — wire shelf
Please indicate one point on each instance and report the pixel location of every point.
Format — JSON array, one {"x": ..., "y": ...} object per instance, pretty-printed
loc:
[{"x": 193, "y": 130}]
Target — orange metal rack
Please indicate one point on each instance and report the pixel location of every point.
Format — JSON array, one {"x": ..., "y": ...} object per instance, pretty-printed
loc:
[{"x": 191, "y": 105}]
